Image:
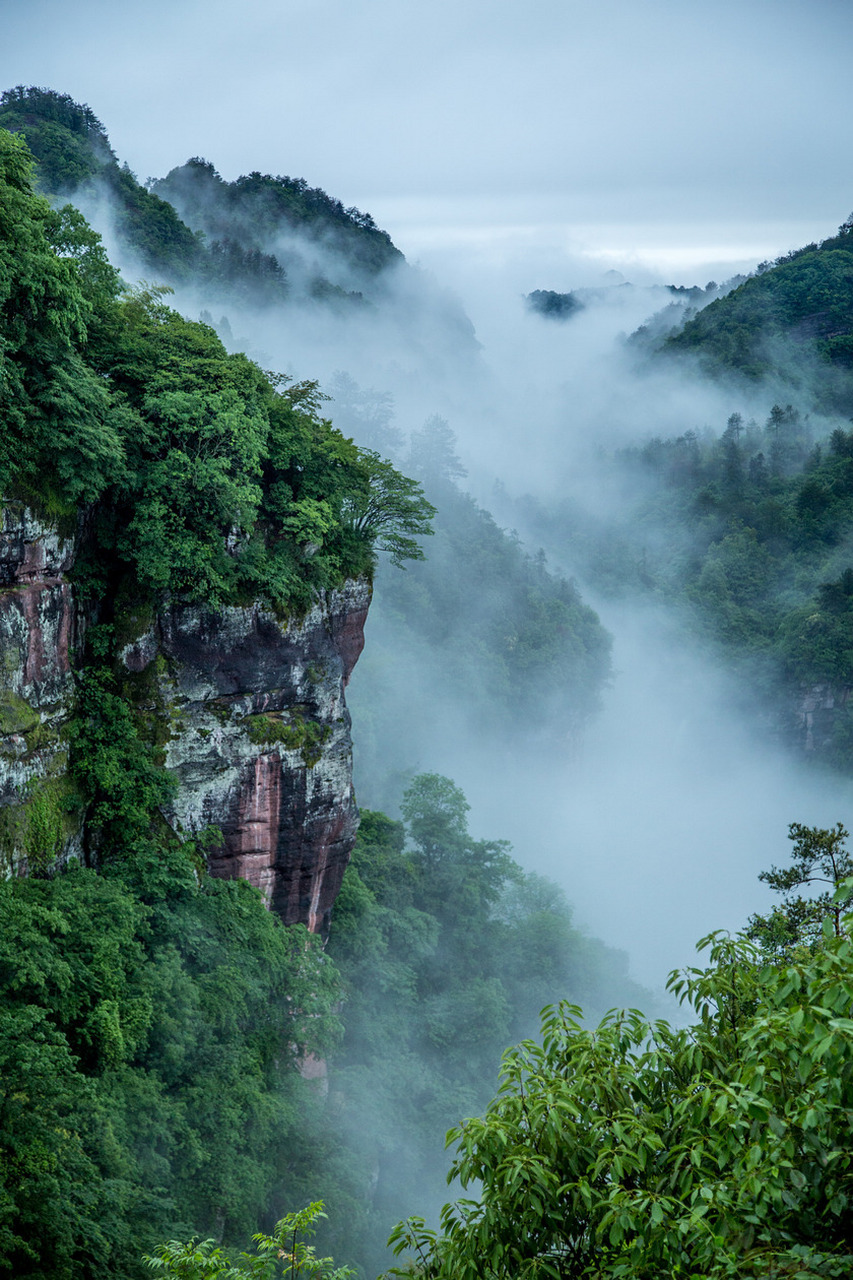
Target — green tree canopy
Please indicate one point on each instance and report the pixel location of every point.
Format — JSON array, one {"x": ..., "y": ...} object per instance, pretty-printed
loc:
[
  {"x": 819, "y": 857},
  {"x": 390, "y": 510},
  {"x": 55, "y": 409},
  {"x": 719, "y": 1150},
  {"x": 209, "y": 479}
]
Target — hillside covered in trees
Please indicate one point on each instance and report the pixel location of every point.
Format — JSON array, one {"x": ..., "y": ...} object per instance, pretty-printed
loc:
[
  {"x": 157, "y": 1021},
  {"x": 791, "y": 321},
  {"x": 176, "y": 1061},
  {"x": 192, "y": 226},
  {"x": 742, "y": 528},
  {"x": 749, "y": 534},
  {"x": 116, "y": 402}
]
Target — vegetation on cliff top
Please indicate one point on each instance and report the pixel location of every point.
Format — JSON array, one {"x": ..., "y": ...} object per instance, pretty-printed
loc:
[{"x": 205, "y": 477}]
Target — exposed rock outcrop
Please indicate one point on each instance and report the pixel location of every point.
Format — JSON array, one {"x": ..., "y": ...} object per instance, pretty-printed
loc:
[
  {"x": 39, "y": 631},
  {"x": 817, "y": 715},
  {"x": 259, "y": 739},
  {"x": 249, "y": 709}
]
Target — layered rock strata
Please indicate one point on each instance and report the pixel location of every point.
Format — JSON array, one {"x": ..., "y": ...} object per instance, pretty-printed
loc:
[{"x": 249, "y": 710}]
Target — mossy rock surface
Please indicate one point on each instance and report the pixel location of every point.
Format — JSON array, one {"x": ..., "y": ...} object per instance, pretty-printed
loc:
[
  {"x": 16, "y": 715},
  {"x": 42, "y": 825},
  {"x": 296, "y": 733}
]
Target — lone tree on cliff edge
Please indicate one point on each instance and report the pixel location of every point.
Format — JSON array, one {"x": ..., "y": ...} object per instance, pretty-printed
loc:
[{"x": 391, "y": 510}]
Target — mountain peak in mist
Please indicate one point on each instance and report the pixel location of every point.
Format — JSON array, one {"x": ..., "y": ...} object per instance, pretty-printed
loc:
[
  {"x": 245, "y": 239},
  {"x": 792, "y": 320},
  {"x": 260, "y": 209}
]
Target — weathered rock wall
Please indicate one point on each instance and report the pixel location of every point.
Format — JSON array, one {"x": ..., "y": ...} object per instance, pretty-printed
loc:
[
  {"x": 249, "y": 709},
  {"x": 817, "y": 714},
  {"x": 39, "y": 632},
  {"x": 259, "y": 739}
]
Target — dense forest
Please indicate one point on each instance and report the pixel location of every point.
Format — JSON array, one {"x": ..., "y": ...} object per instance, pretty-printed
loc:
[
  {"x": 148, "y": 987},
  {"x": 777, "y": 321},
  {"x": 176, "y": 1063}
]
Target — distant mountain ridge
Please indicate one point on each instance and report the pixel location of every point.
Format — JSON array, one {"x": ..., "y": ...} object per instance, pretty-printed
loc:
[
  {"x": 257, "y": 208},
  {"x": 191, "y": 225}
]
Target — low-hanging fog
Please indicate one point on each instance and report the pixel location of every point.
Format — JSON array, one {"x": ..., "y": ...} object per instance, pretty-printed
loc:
[
  {"x": 658, "y": 821},
  {"x": 609, "y": 151},
  {"x": 658, "y": 816}
]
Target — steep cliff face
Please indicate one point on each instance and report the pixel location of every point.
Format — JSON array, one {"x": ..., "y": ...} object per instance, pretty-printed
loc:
[
  {"x": 259, "y": 739},
  {"x": 39, "y": 632},
  {"x": 249, "y": 709}
]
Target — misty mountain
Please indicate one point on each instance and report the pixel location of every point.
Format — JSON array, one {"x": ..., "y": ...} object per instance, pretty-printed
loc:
[
  {"x": 749, "y": 532},
  {"x": 259, "y": 210},
  {"x": 684, "y": 302},
  {"x": 247, "y": 250},
  {"x": 193, "y": 226},
  {"x": 74, "y": 158},
  {"x": 791, "y": 321},
  {"x": 511, "y": 643},
  {"x": 553, "y": 305}
]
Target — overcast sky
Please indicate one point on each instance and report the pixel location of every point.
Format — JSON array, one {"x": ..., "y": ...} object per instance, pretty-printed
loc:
[{"x": 670, "y": 132}]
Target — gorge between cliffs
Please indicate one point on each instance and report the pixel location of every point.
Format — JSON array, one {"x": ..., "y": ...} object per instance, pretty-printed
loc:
[{"x": 599, "y": 536}]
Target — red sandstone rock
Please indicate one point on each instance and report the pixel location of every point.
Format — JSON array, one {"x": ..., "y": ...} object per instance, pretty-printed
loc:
[{"x": 260, "y": 733}]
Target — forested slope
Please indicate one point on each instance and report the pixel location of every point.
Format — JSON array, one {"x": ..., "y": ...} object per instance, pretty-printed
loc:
[
  {"x": 193, "y": 227},
  {"x": 156, "y": 1022},
  {"x": 749, "y": 534},
  {"x": 792, "y": 320}
]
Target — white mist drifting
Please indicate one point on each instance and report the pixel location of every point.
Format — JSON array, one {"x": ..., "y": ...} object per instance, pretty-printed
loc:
[{"x": 658, "y": 824}]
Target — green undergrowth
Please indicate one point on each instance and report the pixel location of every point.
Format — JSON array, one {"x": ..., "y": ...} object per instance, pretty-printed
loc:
[
  {"x": 295, "y": 733},
  {"x": 35, "y": 831}
]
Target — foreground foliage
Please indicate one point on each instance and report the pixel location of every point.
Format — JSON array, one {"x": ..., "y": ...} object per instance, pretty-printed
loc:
[
  {"x": 714, "y": 1151},
  {"x": 447, "y": 951},
  {"x": 151, "y": 1033},
  {"x": 281, "y": 1254}
]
